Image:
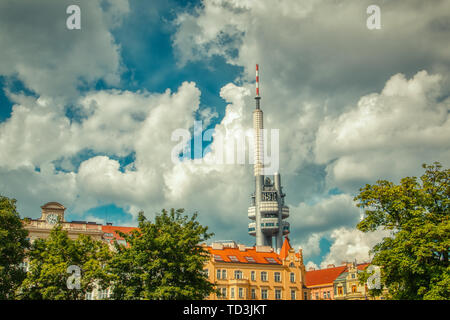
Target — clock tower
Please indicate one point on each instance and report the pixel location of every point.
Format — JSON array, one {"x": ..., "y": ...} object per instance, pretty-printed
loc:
[{"x": 52, "y": 212}]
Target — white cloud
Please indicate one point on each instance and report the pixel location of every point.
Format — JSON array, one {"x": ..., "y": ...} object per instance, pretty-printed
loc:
[
  {"x": 312, "y": 246},
  {"x": 52, "y": 60},
  {"x": 388, "y": 134},
  {"x": 315, "y": 66},
  {"x": 325, "y": 215},
  {"x": 351, "y": 244},
  {"x": 311, "y": 265}
]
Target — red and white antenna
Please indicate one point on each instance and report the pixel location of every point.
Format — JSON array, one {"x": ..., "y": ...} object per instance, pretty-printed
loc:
[{"x": 257, "y": 80}]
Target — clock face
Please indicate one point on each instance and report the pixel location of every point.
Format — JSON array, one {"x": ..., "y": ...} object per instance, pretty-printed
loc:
[
  {"x": 52, "y": 218},
  {"x": 269, "y": 196}
]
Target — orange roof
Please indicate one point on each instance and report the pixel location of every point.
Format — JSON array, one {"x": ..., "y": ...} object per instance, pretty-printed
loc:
[
  {"x": 113, "y": 229},
  {"x": 362, "y": 266},
  {"x": 284, "y": 252},
  {"x": 323, "y": 276},
  {"x": 255, "y": 257}
]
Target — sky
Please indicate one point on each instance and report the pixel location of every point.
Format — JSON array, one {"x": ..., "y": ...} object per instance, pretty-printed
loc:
[{"x": 87, "y": 116}]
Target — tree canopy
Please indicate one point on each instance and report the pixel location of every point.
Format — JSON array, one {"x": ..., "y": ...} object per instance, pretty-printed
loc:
[
  {"x": 414, "y": 260},
  {"x": 55, "y": 261},
  {"x": 13, "y": 242},
  {"x": 162, "y": 259}
]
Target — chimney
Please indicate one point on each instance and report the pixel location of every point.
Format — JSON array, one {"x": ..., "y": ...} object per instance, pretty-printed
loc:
[
  {"x": 311, "y": 269},
  {"x": 330, "y": 265}
]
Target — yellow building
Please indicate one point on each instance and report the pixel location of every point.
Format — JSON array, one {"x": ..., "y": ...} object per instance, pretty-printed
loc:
[
  {"x": 347, "y": 285},
  {"x": 256, "y": 273}
]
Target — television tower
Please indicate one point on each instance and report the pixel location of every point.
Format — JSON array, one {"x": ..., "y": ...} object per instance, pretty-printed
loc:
[{"x": 267, "y": 210}]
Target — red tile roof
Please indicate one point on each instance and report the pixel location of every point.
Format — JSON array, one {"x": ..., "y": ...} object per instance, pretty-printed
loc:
[
  {"x": 327, "y": 276},
  {"x": 258, "y": 257},
  {"x": 113, "y": 229},
  {"x": 362, "y": 266},
  {"x": 323, "y": 276},
  {"x": 284, "y": 252}
]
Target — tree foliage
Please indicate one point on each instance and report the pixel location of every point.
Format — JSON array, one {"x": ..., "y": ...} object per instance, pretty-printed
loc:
[
  {"x": 50, "y": 260},
  {"x": 162, "y": 259},
  {"x": 414, "y": 260},
  {"x": 13, "y": 242}
]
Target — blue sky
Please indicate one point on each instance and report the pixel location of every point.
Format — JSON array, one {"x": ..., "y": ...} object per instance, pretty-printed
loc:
[{"x": 94, "y": 109}]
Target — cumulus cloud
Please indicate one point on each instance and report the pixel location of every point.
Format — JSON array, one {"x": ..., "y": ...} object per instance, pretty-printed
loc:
[
  {"x": 312, "y": 246},
  {"x": 387, "y": 134},
  {"x": 50, "y": 59},
  {"x": 350, "y": 244},
  {"x": 352, "y": 105},
  {"x": 324, "y": 215}
]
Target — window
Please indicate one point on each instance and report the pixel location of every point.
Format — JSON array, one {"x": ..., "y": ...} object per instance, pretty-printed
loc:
[
  {"x": 340, "y": 291},
  {"x": 263, "y": 276},
  {"x": 232, "y": 293},
  {"x": 324, "y": 295},
  {"x": 278, "y": 294},
  {"x": 264, "y": 294},
  {"x": 241, "y": 292},
  {"x": 108, "y": 235},
  {"x": 25, "y": 266},
  {"x": 206, "y": 273},
  {"x": 224, "y": 274},
  {"x": 253, "y": 275},
  {"x": 317, "y": 296},
  {"x": 328, "y": 295},
  {"x": 291, "y": 265},
  {"x": 250, "y": 259},
  {"x": 292, "y": 277},
  {"x": 305, "y": 295},
  {"x": 293, "y": 294},
  {"x": 89, "y": 296},
  {"x": 277, "y": 277},
  {"x": 224, "y": 292},
  {"x": 218, "y": 257},
  {"x": 103, "y": 294},
  {"x": 353, "y": 276},
  {"x": 238, "y": 274},
  {"x": 233, "y": 258},
  {"x": 122, "y": 242},
  {"x": 219, "y": 272},
  {"x": 271, "y": 260},
  {"x": 253, "y": 293},
  {"x": 354, "y": 289}
]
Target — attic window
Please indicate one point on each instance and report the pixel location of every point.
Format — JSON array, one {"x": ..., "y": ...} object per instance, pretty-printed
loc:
[
  {"x": 218, "y": 257},
  {"x": 233, "y": 258},
  {"x": 250, "y": 259},
  {"x": 271, "y": 260}
]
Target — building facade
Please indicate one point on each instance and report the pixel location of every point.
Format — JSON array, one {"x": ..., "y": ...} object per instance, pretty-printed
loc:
[
  {"x": 321, "y": 282},
  {"x": 256, "y": 273},
  {"x": 338, "y": 283}
]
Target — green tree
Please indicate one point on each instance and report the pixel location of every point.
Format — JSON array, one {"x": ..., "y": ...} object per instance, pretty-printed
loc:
[
  {"x": 51, "y": 276},
  {"x": 414, "y": 259},
  {"x": 13, "y": 243},
  {"x": 162, "y": 260}
]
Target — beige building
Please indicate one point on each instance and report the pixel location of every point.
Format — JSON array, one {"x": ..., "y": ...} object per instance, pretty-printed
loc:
[
  {"x": 51, "y": 213},
  {"x": 256, "y": 273}
]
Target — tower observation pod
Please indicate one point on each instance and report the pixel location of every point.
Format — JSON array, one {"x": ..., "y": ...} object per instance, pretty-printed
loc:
[{"x": 267, "y": 211}]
